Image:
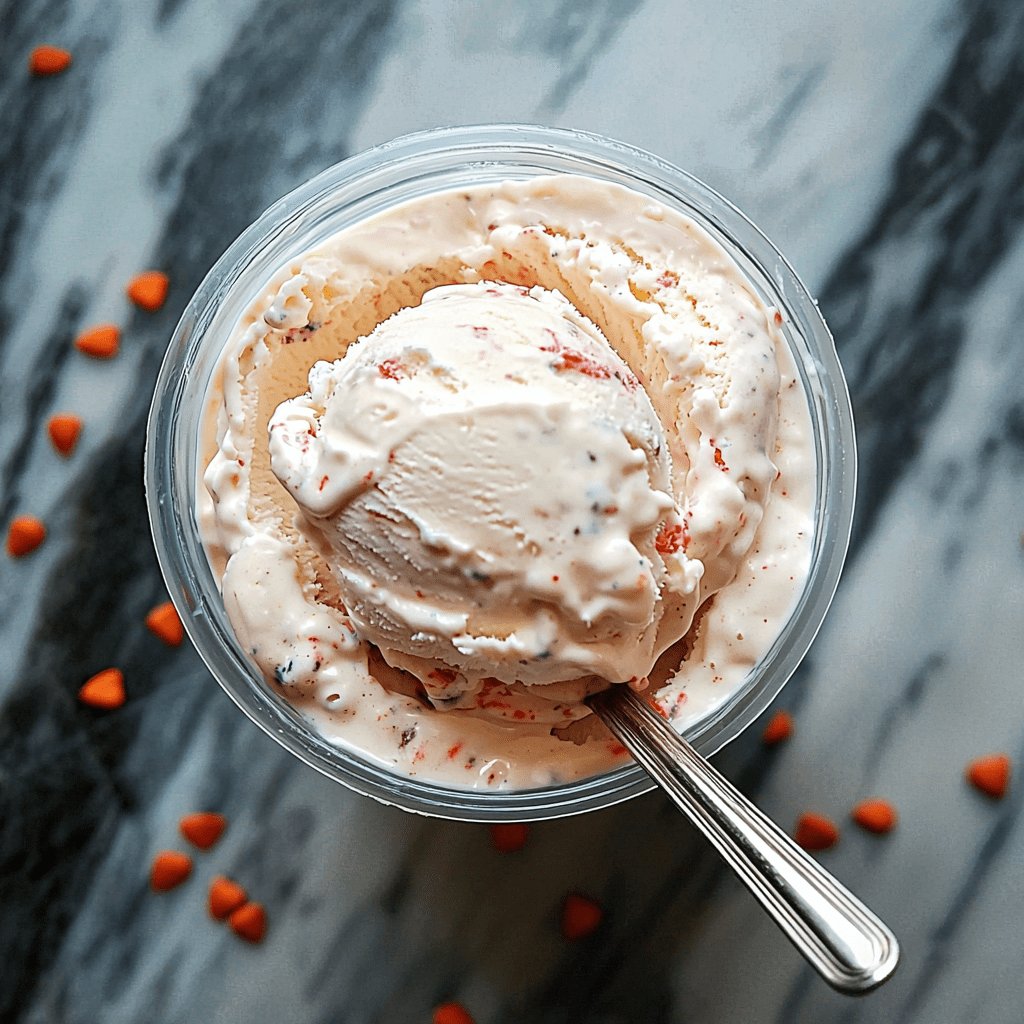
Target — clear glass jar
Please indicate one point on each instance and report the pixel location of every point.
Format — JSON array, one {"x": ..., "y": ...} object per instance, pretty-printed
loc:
[{"x": 366, "y": 184}]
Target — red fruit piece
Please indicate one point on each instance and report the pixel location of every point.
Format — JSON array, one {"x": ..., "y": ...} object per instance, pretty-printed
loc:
[
  {"x": 580, "y": 917},
  {"x": 451, "y": 1013},
  {"x": 99, "y": 342},
  {"x": 169, "y": 869},
  {"x": 507, "y": 838},
  {"x": 64, "y": 430},
  {"x": 990, "y": 774},
  {"x": 225, "y": 897},
  {"x": 875, "y": 815},
  {"x": 164, "y": 622},
  {"x": 48, "y": 60},
  {"x": 148, "y": 290},
  {"x": 104, "y": 690},
  {"x": 249, "y": 922},
  {"x": 778, "y": 729},
  {"x": 24, "y": 535},
  {"x": 203, "y": 829},
  {"x": 816, "y": 832}
]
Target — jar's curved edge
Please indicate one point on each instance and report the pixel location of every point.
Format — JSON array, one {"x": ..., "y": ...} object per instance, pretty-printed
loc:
[{"x": 621, "y": 784}]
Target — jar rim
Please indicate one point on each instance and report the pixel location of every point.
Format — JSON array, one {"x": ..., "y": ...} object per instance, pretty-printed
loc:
[{"x": 373, "y": 180}]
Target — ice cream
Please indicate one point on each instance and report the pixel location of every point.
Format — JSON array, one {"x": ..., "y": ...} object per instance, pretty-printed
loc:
[
  {"x": 497, "y": 448},
  {"x": 487, "y": 480}
]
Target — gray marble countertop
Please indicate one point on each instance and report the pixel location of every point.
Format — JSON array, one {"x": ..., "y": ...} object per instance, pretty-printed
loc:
[{"x": 881, "y": 147}]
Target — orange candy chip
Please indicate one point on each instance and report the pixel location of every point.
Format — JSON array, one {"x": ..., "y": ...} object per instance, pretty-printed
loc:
[
  {"x": 48, "y": 60},
  {"x": 164, "y": 622},
  {"x": 990, "y": 774},
  {"x": 507, "y": 838},
  {"x": 580, "y": 917},
  {"x": 451, "y": 1013},
  {"x": 169, "y": 869},
  {"x": 149, "y": 290},
  {"x": 104, "y": 690},
  {"x": 99, "y": 342},
  {"x": 203, "y": 829},
  {"x": 815, "y": 832},
  {"x": 225, "y": 897},
  {"x": 875, "y": 815},
  {"x": 778, "y": 729},
  {"x": 64, "y": 430},
  {"x": 249, "y": 921},
  {"x": 24, "y": 534}
]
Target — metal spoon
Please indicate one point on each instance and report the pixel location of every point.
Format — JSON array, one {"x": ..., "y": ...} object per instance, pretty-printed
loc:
[{"x": 843, "y": 940}]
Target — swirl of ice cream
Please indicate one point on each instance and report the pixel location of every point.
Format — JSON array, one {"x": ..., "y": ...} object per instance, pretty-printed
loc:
[{"x": 487, "y": 480}]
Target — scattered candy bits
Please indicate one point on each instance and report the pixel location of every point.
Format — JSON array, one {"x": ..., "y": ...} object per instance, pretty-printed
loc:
[
  {"x": 778, "y": 729},
  {"x": 451, "y": 1013},
  {"x": 227, "y": 900},
  {"x": 64, "y": 430},
  {"x": 225, "y": 897},
  {"x": 875, "y": 815},
  {"x": 104, "y": 690},
  {"x": 48, "y": 60},
  {"x": 815, "y": 832},
  {"x": 249, "y": 921},
  {"x": 149, "y": 290},
  {"x": 580, "y": 917},
  {"x": 202, "y": 829},
  {"x": 507, "y": 838},
  {"x": 99, "y": 342},
  {"x": 164, "y": 622},
  {"x": 990, "y": 774},
  {"x": 169, "y": 869},
  {"x": 24, "y": 535}
]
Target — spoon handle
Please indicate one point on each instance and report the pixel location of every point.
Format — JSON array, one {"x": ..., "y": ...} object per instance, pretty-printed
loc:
[{"x": 843, "y": 940}]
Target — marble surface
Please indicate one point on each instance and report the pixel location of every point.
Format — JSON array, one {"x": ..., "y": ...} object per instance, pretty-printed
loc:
[{"x": 881, "y": 146}]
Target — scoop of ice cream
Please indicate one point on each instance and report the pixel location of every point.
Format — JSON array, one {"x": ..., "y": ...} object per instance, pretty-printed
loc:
[
  {"x": 718, "y": 372},
  {"x": 487, "y": 480}
]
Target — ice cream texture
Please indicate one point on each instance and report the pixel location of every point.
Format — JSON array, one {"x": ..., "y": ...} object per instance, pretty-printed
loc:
[
  {"x": 487, "y": 478},
  {"x": 497, "y": 448}
]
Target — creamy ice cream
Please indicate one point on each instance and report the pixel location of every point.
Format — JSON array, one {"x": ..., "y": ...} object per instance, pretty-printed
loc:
[
  {"x": 487, "y": 479},
  {"x": 497, "y": 448}
]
